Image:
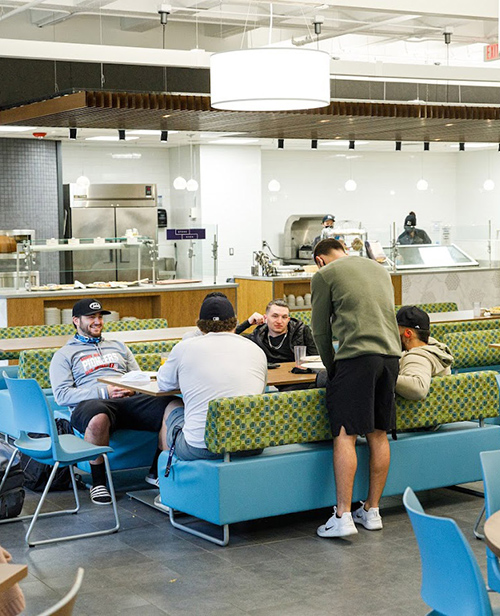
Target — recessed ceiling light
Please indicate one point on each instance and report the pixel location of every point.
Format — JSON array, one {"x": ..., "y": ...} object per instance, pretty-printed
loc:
[
  {"x": 16, "y": 129},
  {"x": 131, "y": 155},
  {"x": 109, "y": 138},
  {"x": 449, "y": 124},
  {"x": 150, "y": 132},
  {"x": 341, "y": 142},
  {"x": 473, "y": 145},
  {"x": 233, "y": 141}
]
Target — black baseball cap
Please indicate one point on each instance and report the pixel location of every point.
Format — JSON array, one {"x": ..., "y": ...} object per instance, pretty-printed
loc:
[
  {"x": 413, "y": 317},
  {"x": 328, "y": 217},
  {"x": 216, "y": 308},
  {"x": 88, "y": 307}
]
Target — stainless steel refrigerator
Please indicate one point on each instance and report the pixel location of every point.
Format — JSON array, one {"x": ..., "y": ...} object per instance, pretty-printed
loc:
[{"x": 107, "y": 211}]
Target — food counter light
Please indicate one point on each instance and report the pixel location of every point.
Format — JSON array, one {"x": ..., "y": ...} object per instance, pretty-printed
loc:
[{"x": 270, "y": 79}]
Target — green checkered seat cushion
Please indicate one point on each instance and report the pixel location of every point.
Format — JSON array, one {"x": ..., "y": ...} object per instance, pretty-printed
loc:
[
  {"x": 149, "y": 361},
  {"x": 267, "y": 420},
  {"x": 35, "y": 364},
  {"x": 154, "y": 346},
  {"x": 135, "y": 324},
  {"x": 436, "y": 307},
  {"x": 471, "y": 349},
  {"x": 458, "y": 397},
  {"x": 252, "y": 422},
  {"x": 302, "y": 315},
  {"x": 438, "y": 330}
]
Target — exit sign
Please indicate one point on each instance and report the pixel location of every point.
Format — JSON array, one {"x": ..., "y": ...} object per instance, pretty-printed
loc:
[{"x": 491, "y": 52}]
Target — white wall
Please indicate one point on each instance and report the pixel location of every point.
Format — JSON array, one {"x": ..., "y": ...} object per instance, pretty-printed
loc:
[
  {"x": 230, "y": 185},
  {"x": 312, "y": 182}
]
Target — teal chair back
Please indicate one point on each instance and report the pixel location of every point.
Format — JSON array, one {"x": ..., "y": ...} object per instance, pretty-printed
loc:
[
  {"x": 32, "y": 413},
  {"x": 451, "y": 579},
  {"x": 490, "y": 465}
]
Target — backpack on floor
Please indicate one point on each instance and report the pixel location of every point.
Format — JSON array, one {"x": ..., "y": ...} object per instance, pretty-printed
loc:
[
  {"x": 12, "y": 494},
  {"x": 37, "y": 474}
]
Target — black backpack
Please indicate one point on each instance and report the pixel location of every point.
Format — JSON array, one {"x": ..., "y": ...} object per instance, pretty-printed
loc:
[
  {"x": 12, "y": 494},
  {"x": 37, "y": 474}
]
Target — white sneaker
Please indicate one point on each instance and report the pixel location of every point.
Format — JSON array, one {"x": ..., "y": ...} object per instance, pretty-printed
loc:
[
  {"x": 338, "y": 527},
  {"x": 369, "y": 519}
]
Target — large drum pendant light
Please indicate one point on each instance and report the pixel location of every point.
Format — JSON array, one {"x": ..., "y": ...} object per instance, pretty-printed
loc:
[{"x": 270, "y": 79}]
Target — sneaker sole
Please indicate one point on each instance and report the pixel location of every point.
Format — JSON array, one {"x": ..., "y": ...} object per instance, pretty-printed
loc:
[
  {"x": 377, "y": 526},
  {"x": 344, "y": 533},
  {"x": 152, "y": 482},
  {"x": 97, "y": 503}
]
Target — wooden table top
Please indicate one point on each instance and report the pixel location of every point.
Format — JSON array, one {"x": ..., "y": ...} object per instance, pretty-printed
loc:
[
  {"x": 458, "y": 315},
  {"x": 492, "y": 533},
  {"x": 11, "y": 574},
  {"x": 55, "y": 342},
  {"x": 275, "y": 376}
]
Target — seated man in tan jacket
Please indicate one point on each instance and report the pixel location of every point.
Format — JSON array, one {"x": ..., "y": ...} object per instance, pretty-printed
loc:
[{"x": 423, "y": 357}]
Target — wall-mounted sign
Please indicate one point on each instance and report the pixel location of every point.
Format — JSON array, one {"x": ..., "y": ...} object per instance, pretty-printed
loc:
[
  {"x": 186, "y": 234},
  {"x": 491, "y": 52}
]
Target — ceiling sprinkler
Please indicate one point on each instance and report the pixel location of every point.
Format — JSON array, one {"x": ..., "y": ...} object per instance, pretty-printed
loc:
[
  {"x": 318, "y": 21},
  {"x": 164, "y": 11},
  {"x": 447, "y": 32}
]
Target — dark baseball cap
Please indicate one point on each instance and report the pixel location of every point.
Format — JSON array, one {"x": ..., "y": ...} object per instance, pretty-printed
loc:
[
  {"x": 88, "y": 307},
  {"x": 413, "y": 317},
  {"x": 328, "y": 217},
  {"x": 216, "y": 309}
]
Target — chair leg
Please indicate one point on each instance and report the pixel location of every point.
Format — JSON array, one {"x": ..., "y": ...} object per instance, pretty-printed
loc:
[
  {"x": 96, "y": 533},
  {"x": 48, "y": 514},
  {"x": 7, "y": 469},
  {"x": 187, "y": 529},
  {"x": 477, "y": 534}
]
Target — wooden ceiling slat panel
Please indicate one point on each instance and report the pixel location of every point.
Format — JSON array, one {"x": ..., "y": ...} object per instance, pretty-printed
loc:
[{"x": 367, "y": 120}]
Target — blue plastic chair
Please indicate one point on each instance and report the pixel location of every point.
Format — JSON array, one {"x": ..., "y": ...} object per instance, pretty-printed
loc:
[
  {"x": 33, "y": 414},
  {"x": 490, "y": 465},
  {"x": 451, "y": 580}
]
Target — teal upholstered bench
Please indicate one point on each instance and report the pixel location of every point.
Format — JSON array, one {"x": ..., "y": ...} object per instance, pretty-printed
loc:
[{"x": 294, "y": 473}]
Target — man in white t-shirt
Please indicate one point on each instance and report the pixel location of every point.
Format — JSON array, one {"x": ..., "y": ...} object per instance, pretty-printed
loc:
[{"x": 218, "y": 364}]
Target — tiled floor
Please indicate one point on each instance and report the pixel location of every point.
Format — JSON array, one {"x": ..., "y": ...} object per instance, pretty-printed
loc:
[{"x": 273, "y": 567}]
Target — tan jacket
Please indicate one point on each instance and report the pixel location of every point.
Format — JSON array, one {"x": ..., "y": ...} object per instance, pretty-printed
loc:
[{"x": 417, "y": 366}]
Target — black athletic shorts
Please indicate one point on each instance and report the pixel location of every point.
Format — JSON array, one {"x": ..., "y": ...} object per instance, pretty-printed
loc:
[
  {"x": 138, "y": 412},
  {"x": 360, "y": 395}
]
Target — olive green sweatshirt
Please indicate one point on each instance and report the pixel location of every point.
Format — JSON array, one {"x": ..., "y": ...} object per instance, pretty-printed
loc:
[{"x": 353, "y": 301}]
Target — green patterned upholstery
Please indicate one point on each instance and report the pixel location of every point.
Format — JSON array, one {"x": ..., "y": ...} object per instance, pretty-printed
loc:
[
  {"x": 35, "y": 364},
  {"x": 302, "y": 315},
  {"x": 471, "y": 349},
  {"x": 135, "y": 324},
  {"x": 154, "y": 346},
  {"x": 436, "y": 307},
  {"x": 438, "y": 330},
  {"x": 251, "y": 422},
  {"x": 458, "y": 397},
  {"x": 148, "y": 361}
]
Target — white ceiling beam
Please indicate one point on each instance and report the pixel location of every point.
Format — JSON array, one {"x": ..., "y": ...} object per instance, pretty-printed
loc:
[
  {"x": 485, "y": 9},
  {"x": 109, "y": 54}
]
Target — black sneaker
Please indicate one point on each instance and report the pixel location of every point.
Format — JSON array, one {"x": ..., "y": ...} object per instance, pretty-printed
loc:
[
  {"x": 100, "y": 495},
  {"x": 152, "y": 479}
]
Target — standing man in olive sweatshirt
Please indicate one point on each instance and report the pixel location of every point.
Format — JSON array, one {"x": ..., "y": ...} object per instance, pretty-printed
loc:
[{"x": 353, "y": 301}]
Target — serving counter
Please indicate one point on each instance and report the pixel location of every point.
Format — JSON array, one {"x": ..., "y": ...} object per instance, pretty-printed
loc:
[
  {"x": 178, "y": 303},
  {"x": 464, "y": 286}
]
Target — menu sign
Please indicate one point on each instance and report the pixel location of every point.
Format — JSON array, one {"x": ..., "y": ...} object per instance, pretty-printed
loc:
[{"x": 186, "y": 234}]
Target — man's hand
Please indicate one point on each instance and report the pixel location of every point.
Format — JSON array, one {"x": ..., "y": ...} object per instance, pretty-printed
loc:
[
  {"x": 119, "y": 392},
  {"x": 256, "y": 319}
]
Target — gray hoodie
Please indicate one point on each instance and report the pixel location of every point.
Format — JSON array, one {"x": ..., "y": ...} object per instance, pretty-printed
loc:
[
  {"x": 75, "y": 368},
  {"x": 417, "y": 366}
]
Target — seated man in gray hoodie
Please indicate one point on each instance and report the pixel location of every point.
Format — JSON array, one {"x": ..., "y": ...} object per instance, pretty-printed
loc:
[
  {"x": 423, "y": 357},
  {"x": 97, "y": 409}
]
